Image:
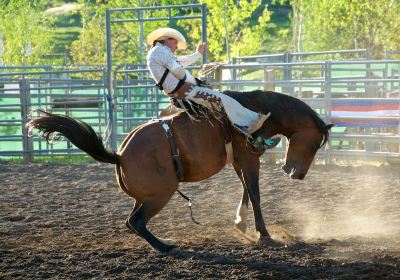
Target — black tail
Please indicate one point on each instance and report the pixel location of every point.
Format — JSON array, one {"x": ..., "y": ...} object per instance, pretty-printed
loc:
[{"x": 78, "y": 132}]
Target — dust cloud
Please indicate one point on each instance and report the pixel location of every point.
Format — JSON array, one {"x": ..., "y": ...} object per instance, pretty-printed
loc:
[{"x": 365, "y": 207}]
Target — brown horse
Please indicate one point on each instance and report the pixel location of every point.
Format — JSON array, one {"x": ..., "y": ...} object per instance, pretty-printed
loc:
[{"x": 145, "y": 168}]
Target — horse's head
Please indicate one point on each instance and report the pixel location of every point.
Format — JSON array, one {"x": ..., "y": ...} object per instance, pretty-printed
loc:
[
  {"x": 303, "y": 145},
  {"x": 293, "y": 118}
]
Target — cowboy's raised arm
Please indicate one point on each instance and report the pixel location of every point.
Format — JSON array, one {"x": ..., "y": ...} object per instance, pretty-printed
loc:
[
  {"x": 164, "y": 57},
  {"x": 186, "y": 60}
]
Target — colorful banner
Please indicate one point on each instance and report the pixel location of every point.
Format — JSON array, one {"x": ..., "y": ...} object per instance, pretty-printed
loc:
[{"x": 366, "y": 113}]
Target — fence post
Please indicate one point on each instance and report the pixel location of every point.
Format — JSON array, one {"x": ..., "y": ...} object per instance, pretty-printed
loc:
[
  {"x": 25, "y": 97},
  {"x": 218, "y": 76},
  {"x": 204, "y": 28},
  {"x": 287, "y": 74},
  {"x": 269, "y": 75},
  {"x": 234, "y": 75},
  {"x": 328, "y": 110},
  {"x": 110, "y": 86}
]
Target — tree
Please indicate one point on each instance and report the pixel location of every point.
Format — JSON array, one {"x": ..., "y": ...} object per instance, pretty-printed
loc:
[
  {"x": 235, "y": 28},
  {"x": 343, "y": 24},
  {"x": 90, "y": 48},
  {"x": 25, "y": 31}
]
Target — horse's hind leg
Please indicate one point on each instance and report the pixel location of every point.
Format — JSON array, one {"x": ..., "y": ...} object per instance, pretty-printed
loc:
[
  {"x": 136, "y": 206},
  {"x": 129, "y": 221},
  {"x": 139, "y": 218}
]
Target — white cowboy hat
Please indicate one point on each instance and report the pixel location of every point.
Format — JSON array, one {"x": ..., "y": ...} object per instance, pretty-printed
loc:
[{"x": 164, "y": 33}]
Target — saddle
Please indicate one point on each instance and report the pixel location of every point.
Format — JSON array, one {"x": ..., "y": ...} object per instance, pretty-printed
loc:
[{"x": 259, "y": 144}]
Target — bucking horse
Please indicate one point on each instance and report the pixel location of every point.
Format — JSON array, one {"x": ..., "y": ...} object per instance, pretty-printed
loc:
[{"x": 156, "y": 156}]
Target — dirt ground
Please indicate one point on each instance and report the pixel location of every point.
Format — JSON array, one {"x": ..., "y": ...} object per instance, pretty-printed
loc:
[{"x": 67, "y": 221}]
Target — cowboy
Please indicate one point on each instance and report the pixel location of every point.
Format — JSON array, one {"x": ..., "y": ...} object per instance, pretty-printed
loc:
[{"x": 176, "y": 82}]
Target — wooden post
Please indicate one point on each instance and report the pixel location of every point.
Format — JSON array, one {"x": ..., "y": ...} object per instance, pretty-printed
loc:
[
  {"x": 25, "y": 97},
  {"x": 269, "y": 75},
  {"x": 218, "y": 77}
]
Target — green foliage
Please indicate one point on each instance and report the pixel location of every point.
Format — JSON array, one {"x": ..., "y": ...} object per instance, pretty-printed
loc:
[
  {"x": 90, "y": 46},
  {"x": 235, "y": 28},
  {"x": 343, "y": 24},
  {"x": 25, "y": 31},
  {"x": 67, "y": 28},
  {"x": 126, "y": 44},
  {"x": 245, "y": 29},
  {"x": 278, "y": 29}
]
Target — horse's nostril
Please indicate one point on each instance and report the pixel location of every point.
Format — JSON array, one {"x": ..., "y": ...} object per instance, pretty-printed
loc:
[{"x": 301, "y": 176}]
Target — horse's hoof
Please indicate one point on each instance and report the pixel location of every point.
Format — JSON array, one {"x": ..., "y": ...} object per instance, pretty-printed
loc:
[
  {"x": 167, "y": 249},
  {"x": 174, "y": 251},
  {"x": 268, "y": 241},
  {"x": 241, "y": 226},
  {"x": 168, "y": 242}
]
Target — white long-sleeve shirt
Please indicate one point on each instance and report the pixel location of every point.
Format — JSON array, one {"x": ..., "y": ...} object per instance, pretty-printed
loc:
[{"x": 160, "y": 57}]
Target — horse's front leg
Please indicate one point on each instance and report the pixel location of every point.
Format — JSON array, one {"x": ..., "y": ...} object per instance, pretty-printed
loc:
[{"x": 248, "y": 171}]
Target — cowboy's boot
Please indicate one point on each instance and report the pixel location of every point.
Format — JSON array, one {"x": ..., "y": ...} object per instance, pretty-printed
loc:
[{"x": 261, "y": 143}]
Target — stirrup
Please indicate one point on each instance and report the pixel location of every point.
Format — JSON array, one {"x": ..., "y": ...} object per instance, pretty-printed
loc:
[{"x": 261, "y": 143}]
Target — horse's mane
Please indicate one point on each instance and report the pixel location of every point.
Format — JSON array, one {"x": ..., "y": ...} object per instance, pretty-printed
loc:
[{"x": 280, "y": 105}]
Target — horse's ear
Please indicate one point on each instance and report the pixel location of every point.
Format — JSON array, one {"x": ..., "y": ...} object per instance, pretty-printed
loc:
[{"x": 329, "y": 126}]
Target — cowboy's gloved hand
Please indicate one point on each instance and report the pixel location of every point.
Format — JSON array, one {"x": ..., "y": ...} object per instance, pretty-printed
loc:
[{"x": 202, "y": 48}]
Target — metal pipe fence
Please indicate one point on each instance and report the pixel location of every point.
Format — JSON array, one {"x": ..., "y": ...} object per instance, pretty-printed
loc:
[
  {"x": 66, "y": 91},
  {"x": 288, "y": 57},
  {"x": 368, "y": 90},
  {"x": 337, "y": 90}
]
